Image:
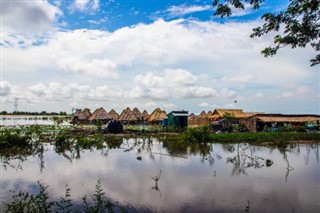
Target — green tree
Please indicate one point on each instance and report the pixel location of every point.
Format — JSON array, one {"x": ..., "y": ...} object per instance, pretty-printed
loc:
[{"x": 300, "y": 21}]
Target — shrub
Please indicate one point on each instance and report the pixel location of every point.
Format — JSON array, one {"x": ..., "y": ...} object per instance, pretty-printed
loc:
[{"x": 198, "y": 135}]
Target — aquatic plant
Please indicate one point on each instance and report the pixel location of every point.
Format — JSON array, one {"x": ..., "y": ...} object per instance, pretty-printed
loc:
[
  {"x": 100, "y": 204},
  {"x": 64, "y": 205},
  {"x": 98, "y": 125},
  {"x": 41, "y": 202},
  {"x": 13, "y": 137},
  {"x": 25, "y": 202},
  {"x": 198, "y": 135}
]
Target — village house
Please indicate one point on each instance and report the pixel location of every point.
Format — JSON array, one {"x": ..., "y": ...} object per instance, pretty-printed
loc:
[
  {"x": 258, "y": 122},
  {"x": 178, "y": 119}
]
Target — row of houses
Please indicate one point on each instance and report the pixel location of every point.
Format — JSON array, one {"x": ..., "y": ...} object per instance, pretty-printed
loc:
[
  {"x": 253, "y": 121},
  {"x": 127, "y": 116}
]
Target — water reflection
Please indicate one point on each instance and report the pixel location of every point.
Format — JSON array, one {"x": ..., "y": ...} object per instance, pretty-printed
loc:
[
  {"x": 151, "y": 174},
  {"x": 10, "y": 120},
  {"x": 242, "y": 160}
]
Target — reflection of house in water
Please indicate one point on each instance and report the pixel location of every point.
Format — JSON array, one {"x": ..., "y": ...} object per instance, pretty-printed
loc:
[{"x": 258, "y": 122}]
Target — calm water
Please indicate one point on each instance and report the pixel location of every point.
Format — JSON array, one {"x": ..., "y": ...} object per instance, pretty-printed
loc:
[
  {"x": 9, "y": 120},
  {"x": 213, "y": 178}
]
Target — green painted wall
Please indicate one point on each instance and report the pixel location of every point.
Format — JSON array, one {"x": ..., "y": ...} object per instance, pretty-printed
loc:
[{"x": 177, "y": 121}]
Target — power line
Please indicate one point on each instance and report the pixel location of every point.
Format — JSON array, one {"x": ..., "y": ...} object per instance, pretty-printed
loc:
[{"x": 15, "y": 104}]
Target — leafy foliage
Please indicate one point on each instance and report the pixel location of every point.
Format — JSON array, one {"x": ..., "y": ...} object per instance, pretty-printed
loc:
[
  {"x": 25, "y": 202},
  {"x": 64, "y": 205},
  {"x": 198, "y": 135},
  {"x": 41, "y": 203},
  {"x": 301, "y": 21},
  {"x": 13, "y": 137}
]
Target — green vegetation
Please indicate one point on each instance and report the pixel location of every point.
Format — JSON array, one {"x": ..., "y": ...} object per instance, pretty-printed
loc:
[
  {"x": 197, "y": 135},
  {"x": 40, "y": 202},
  {"x": 143, "y": 128},
  {"x": 203, "y": 135},
  {"x": 300, "y": 21},
  {"x": 67, "y": 137},
  {"x": 13, "y": 137}
]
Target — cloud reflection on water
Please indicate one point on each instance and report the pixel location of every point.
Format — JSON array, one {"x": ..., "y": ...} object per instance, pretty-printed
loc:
[{"x": 188, "y": 183}]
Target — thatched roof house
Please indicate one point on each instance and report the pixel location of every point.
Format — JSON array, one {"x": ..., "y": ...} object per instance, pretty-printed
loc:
[
  {"x": 157, "y": 116},
  {"x": 257, "y": 122},
  {"x": 124, "y": 113},
  {"x": 81, "y": 116},
  {"x": 136, "y": 114},
  {"x": 86, "y": 112},
  {"x": 192, "y": 115},
  {"x": 127, "y": 116},
  {"x": 221, "y": 113},
  {"x": 113, "y": 115},
  {"x": 200, "y": 120},
  {"x": 203, "y": 114},
  {"x": 100, "y": 114},
  {"x": 145, "y": 115}
]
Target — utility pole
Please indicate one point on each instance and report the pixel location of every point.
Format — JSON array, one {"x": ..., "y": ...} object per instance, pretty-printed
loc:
[{"x": 15, "y": 105}]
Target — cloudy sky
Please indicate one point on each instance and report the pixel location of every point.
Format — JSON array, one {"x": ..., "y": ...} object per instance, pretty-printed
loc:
[{"x": 57, "y": 55}]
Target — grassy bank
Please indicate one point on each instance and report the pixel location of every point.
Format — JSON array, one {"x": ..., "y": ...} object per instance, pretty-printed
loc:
[
  {"x": 90, "y": 137},
  {"x": 203, "y": 135}
]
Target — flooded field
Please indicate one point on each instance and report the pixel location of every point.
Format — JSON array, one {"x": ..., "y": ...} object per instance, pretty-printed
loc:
[
  {"x": 9, "y": 120},
  {"x": 149, "y": 175}
]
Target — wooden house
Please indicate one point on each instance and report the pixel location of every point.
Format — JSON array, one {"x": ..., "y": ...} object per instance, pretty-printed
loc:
[{"x": 259, "y": 122}]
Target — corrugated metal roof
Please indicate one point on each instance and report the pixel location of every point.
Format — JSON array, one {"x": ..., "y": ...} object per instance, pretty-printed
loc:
[{"x": 180, "y": 114}]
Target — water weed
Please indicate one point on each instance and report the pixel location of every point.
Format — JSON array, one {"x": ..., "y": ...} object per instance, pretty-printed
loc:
[{"x": 41, "y": 202}]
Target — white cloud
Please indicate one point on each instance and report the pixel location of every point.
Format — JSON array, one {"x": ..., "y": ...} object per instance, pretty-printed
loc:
[
  {"x": 287, "y": 95},
  {"x": 259, "y": 95},
  {"x": 236, "y": 12},
  {"x": 93, "y": 67},
  {"x": 170, "y": 78},
  {"x": 174, "y": 83},
  {"x": 28, "y": 16},
  {"x": 204, "y": 104},
  {"x": 180, "y": 61},
  {"x": 226, "y": 93},
  {"x": 5, "y": 88},
  {"x": 230, "y": 106},
  {"x": 246, "y": 78},
  {"x": 151, "y": 104},
  {"x": 169, "y": 106},
  {"x": 202, "y": 92},
  {"x": 84, "y": 5},
  {"x": 98, "y": 22},
  {"x": 298, "y": 92},
  {"x": 181, "y": 10}
]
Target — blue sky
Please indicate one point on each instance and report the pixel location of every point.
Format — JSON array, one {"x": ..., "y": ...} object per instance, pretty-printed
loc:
[{"x": 58, "y": 55}]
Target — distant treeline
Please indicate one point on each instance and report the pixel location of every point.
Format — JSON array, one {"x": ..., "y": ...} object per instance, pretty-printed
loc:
[{"x": 32, "y": 113}]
